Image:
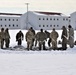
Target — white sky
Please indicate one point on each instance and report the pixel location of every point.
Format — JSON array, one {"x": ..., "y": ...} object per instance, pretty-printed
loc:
[{"x": 64, "y": 6}]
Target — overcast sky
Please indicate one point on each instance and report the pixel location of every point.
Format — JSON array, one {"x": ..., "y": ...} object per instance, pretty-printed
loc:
[{"x": 18, "y": 6}]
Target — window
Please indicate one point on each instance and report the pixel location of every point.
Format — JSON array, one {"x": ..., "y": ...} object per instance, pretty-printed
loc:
[
  {"x": 63, "y": 18},
  {"x": 39, "y": 18},
  {"x": 54, "y": 18},
  {"x": 50, "y": 25},
  {"x": 0, "y": 19},
  {"x": 5, "y": 25},
  {"x": 9, "y": 19},
  {"x": 39, "y": 25},
  {"x": 43, "y": 25},
  {"x": 5, "y": 19},
  {"x": 13, "y": 19},
  {"x": 57, "y": 19},
  {"x": 66, "y": 19},
  {"x": 57, "y": 25},
  {"x": 50, "y": 18},
  {"x": 54, "y": 25},
  {"x": 47, "y": 19},
  {"x": 43, "y": 18},
  {"x": 16, "y": 19},
  {"x": 1, "y": 25},
  {"x": 9, "y": 25},
  {"x": 13, "y": 25},
  {"x": 47, "y": 25},
  {"x": 17, "y": 25}
]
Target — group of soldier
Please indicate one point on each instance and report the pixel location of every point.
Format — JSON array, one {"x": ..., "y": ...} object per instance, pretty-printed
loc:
[
  {"x": 41, "y": 37},
  {"x": 33, "y": 39}
]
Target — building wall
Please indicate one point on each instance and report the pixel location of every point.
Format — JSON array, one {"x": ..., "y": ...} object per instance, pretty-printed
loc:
[
  {"x": 46, "y": 22},
  {"x": 10, "y": 22},
  {"x": 32, "y": 21},
  {"x": 23, "y": 21},
  {"x": 73, "y": 20},
  {"x": 37, "y": 21},
  {"x": 50, "y": 22}
]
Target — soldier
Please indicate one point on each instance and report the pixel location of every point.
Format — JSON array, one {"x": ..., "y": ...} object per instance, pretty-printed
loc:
[
  {"x": 7, "y": 38},
  {"x": 33, "y": 31},
  {"x": 19, "y": 37},
  {"x": 29, "y": 39},
  {"x": 41, "y": 37},
  {"x": 64, "y": 38},
  {"x": 71, "y": 36},
  {"x": 54, "y": 35},
  {"x": 2, "y": 37},
  {"x": 48, "y": 36}
]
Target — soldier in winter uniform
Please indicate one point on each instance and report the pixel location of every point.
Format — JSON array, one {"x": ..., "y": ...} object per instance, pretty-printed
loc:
[
  {"x": 71, "y": 36},
  {"x": 19, "y": 37},
  {"x": 48, "y": 36},
  {"x": 7, "y": 38},
  {"x": 64, "y": 38},
  {"x": 29, "y": 39},
  {"x": 41, "y": 37},
  {"x": 2, "y": 37},
  {"x": 33, "y": 31},
  {"x": 54, "y": 35}
]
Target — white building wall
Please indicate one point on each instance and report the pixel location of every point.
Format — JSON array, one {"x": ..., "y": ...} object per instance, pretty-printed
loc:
[
  {"x": 73, "y": 20},
  {"x": 47, "y": 22},
  {"x": 37, "y": 21},
  {"x": 23, "y": 21},
  {"x": 10, "y": 22},
  {"x": 32, "y": 20}
]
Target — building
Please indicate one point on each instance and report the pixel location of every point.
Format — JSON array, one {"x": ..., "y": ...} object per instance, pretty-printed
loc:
[
  {"x": 10, "y": 20},
  {"x": 37, "y": 20}
]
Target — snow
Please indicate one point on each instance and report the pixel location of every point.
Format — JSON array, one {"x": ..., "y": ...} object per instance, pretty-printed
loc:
[{"x": 37, "y": 62}]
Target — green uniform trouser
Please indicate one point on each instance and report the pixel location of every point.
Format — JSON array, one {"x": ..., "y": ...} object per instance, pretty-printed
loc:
[
  {"x": 42, "y": 43},
  {"x": 71, "y": 42},
  {"x": 54, "y": 45},
  {"x": 29, "y": 44},
  {"x": 64, "y": 43},
  {"x": 7, "y": 41},
  {"x": 2, "y": 43}
]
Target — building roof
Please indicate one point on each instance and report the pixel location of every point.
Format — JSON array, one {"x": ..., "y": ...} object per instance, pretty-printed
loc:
[
  {"x": 13, "y": 14},
  {"x": 49, "y": 13}
]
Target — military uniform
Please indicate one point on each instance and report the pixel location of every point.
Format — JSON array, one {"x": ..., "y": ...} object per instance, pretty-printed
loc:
[
  {"x": 2, "y": 37},
  {"x": 41, "y": 37},
  {"x": 48, "y": 36},
  {"x": 64, "y": 38},
  {"x": 29, "y": 38},
  {"x": 7, "y": 38},
  {"x": 71, "y": 37},
  {"x": 19, "y": 37},
  {"x": 54, "y": 35},
  {"x": 33, "y": 31}
]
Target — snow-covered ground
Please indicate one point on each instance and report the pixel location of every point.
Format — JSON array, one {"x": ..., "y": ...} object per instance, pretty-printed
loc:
[{"x": 37, "y": 62}]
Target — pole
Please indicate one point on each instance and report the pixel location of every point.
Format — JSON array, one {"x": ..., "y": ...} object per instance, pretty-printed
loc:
[{"x": 27, "y": 15}]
